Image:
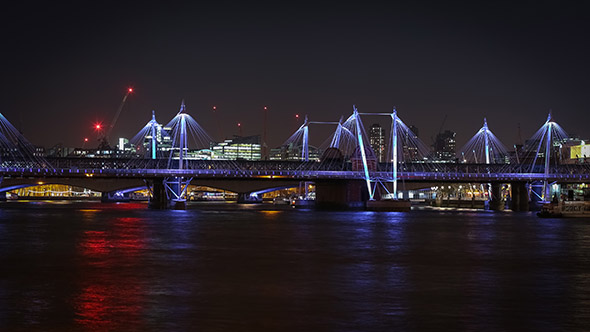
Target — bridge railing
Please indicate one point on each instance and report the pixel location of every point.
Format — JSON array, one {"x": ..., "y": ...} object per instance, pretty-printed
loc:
[{"x": 243, "y": 165}]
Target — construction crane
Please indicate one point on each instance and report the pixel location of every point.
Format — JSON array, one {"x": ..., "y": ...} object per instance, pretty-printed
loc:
[
  {"x": 104, "y": 140},
  {"x": 440, "y": 129}
]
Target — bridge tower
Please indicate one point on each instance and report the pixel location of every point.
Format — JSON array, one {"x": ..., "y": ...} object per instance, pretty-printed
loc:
[
  {"x": 394, "y": 120},
  {"x": 359, "y": 134},
  {"x": 153, "y": 123},
  {"x": 305, "y": 148},
  {"x": 546, "y": 135},
  {"x": 546, "y": 188},
  {"x": 177, "y": 186}
]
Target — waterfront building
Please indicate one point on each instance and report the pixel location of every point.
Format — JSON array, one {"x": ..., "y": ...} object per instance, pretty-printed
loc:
[
  {"x": 293, "y": 152},
  {"x": 238, "y": 148}
]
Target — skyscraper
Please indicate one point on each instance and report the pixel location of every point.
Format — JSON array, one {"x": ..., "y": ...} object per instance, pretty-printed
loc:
[{"x": 377, "y": 141}]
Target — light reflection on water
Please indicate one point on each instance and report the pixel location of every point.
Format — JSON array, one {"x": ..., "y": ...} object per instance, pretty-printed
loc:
[{"x": 90, "y": 266}]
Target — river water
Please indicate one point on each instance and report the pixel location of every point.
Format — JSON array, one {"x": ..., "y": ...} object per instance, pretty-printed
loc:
[{"x": 87, "y": 266}]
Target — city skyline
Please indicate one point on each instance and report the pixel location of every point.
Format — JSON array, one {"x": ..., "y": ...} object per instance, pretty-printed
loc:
[{"x": 444, "y": 66}]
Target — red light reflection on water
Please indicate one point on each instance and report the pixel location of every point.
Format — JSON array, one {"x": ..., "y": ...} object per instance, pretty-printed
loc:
[
  {"x": 108, "y": 306},
  {"x": 111, "y": 294}
]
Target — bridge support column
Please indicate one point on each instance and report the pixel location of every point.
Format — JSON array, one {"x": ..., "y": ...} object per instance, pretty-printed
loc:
[
  {"x": 2, "y": 196},
  {"x": 159, "y": 200},
  {"x": 341, "y": 194},
  {"x": 536, "y": 195},
  {"x": 496, "y": 203},
  {"x": 176, "y": 191},
  {"x": 520, "y": 197}
]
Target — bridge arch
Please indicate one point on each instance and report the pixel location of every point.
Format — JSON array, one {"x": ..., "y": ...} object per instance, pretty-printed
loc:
[{"x": 100, "y": 185}]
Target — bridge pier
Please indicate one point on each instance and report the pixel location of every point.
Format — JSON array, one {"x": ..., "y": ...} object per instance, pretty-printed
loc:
[
  {"x": 536, "y": 195},
  {"x": 158, "y": 200},
  {"x": 519, "y": 196},
  {"x": 177, "y": 200},
  {"x": 496, "y": 202},
  {"x": 341, "y": 194}
]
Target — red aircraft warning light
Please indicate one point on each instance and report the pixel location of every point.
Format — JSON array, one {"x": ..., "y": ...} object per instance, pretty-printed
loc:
[{"x": 129, "y": 90}]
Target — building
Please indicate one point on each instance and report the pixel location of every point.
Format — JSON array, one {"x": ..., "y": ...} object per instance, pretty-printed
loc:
[
  {"x": 445, "y": 146},
  {"x": 293, "y": 152},
  {"x": 575, "y": 151},
  {"x": 124, "y": 146},
  {"x": 377, "y": 141},
  {"x": 163, "y": 141},
  {"x": 238, "y": 148}
]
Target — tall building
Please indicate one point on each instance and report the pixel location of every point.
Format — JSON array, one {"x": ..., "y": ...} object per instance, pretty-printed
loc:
[
  {"x": 445, "y": 146},
  {"x": 377, "y": 141}
]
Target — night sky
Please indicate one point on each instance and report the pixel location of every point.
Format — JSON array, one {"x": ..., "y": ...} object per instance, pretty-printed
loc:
[{"x": 68, "y": 66}]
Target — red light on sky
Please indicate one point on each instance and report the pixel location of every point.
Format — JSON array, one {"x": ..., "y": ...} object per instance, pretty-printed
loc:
[
  {"x": 86, "y": 139},
  {"x": 97, "y": 126},
  {"x": 239, "y": 124},
  {"x": 214, "y": 108},
  {"x": 265, "y": 108},
  {"x": 297, "y": 116},
  {"x": 130, "y": 90}
]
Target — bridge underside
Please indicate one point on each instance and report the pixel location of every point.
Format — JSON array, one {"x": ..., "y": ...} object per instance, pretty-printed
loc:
[{"x": 331, "y": 191}]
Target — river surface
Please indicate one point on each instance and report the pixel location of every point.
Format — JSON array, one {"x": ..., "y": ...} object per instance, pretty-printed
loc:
[{"x": 85, "y": 266}]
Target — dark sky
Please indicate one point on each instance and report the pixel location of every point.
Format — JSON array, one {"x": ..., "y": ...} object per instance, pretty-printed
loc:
[{"x": 67, "y": 66}]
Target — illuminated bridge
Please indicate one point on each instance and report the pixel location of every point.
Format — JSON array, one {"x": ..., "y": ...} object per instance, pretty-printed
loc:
[
  {"x": 346, "y": 174},
  {"x": 253, "y": 177}
]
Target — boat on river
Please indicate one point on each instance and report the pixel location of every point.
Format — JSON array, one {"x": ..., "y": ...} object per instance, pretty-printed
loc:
[{"x": 565, "y": 209}]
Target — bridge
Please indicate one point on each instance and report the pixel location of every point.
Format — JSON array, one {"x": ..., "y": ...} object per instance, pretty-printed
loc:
[{"x": 347, "y": 174}]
